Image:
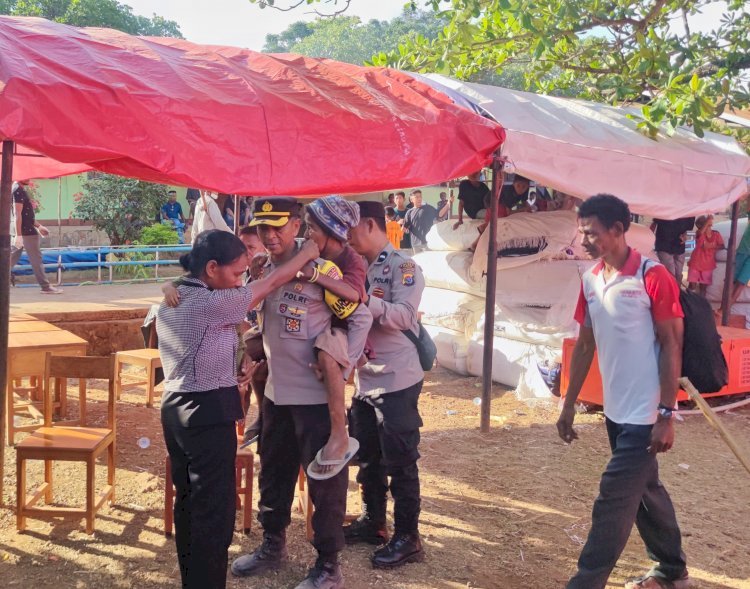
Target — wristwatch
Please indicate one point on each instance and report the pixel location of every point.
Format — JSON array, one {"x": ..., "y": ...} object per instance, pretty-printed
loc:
[{"x": 665, "y": 412}]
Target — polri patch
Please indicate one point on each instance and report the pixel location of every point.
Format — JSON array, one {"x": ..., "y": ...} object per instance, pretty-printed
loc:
[
  {"x": 293, "y": 325},
  {"x": 407, "y": 279},
  {"x": 378, "y": 292},
  {"x": 407, "y": 267}
]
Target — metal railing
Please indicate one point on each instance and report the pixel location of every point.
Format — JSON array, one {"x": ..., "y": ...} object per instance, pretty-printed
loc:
[{"x": 108, "y": 259}]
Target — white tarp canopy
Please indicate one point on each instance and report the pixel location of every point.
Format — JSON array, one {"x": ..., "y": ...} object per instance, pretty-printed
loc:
[{"x": 585, "y": 148}]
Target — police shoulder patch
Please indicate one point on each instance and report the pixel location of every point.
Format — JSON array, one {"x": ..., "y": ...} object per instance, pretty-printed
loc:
[
  {"x": 407, "y": 279},
  {"x": 408, "y": 266}
]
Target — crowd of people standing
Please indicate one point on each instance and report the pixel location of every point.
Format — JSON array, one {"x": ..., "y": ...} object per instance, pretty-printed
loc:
[{"x": 337, "y": 304}]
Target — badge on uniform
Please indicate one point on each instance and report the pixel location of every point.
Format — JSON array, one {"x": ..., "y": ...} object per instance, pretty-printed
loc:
[
  {"x": 293, "y": 325},
  {"x": 298, "y": 287},
  {"x": 381, "y": 257},
  {"x": 282, "y": 308},
  {"x": 378, "y": 292},
  {"x": 386, "y": 269},
  {"x": 407, "y": 266},
  {"x": 407, "y": 279}
]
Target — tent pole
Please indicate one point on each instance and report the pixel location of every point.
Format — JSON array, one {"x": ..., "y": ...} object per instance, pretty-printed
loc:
[
  {"x": 59, "y": 211},
  {"x": 489, "y": 306},
  {"x": 236, "y": 214},
  {"x": 6, "y": 186},
  {"x": 729, "y": 271}
]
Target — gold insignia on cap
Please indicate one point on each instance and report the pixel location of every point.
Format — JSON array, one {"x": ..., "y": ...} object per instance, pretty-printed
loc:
[{"x": 267, "y": 207}]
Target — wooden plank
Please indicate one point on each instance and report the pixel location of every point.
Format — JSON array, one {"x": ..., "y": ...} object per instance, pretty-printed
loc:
[{"x": 43, "y": 340}]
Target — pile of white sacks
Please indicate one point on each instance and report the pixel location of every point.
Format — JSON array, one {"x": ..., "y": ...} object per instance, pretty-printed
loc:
[{"x": 535, "y": 301}]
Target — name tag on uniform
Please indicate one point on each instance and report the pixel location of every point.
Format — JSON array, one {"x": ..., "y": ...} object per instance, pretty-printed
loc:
[{"x": 296, "y": 297}]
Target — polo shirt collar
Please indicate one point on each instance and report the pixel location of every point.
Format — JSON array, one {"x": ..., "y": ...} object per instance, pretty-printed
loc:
[{"x": 630, "y": 268}]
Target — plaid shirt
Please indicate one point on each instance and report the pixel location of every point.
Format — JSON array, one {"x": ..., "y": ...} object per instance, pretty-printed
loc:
[{"x": 198, "y": 338}]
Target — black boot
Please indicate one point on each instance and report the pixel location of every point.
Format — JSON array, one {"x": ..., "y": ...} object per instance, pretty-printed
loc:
[
  {"x": 269, "y": 556},
  {"x": 366, "y": 530},
  {"x": 401, "y": 549},
  {"x": 326, "y": 574}
]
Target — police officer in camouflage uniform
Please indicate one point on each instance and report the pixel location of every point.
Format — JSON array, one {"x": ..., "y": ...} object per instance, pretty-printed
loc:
[
  {"x": 384, "y": 414},
  {"x": 296, "y": 421}
]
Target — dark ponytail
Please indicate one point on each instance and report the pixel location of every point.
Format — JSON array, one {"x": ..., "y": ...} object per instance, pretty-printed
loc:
[{"x": 221, "y": 246}]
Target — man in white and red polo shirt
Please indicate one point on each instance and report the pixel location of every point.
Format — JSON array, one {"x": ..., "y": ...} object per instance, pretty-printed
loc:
[{"x": 629, "y": 310}]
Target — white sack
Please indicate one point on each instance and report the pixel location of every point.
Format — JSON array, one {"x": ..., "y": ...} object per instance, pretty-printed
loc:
[
  {"x": 715, "y": 290},
  {"x": 510, "y": 330},
  {"x": 514, "y": 362},
  {"x": 553, "y": 233},
  {"x": 724, "y": 228},
  {"x": 450, "y": 309},
  {"x": 452, "y": 348},
  {"x": 442, "y": 237},
  {"x": 449, "y": 270}
]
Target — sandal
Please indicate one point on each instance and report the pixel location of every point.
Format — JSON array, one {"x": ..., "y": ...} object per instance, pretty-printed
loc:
[{"x": 652, "y": 582}]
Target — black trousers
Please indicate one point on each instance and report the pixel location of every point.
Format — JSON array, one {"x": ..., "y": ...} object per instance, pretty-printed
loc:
[
  {"x": 202, "y": 454},
  {"x": 291, "y": 436},
  {"x": 630, "y": 492},
  {"x": 387, "y": 429}
]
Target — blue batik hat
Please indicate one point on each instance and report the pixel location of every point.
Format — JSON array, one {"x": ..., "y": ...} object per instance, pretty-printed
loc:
[{"x": 335, "y": 215}]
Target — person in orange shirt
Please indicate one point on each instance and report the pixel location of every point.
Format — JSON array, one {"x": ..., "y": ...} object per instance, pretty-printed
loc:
[{"x": 393, "y": 228}]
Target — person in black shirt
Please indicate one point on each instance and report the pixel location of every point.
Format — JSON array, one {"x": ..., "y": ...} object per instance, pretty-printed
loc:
[
  {"x": 471, "y": 195},
  {"x": 28, "y": 236},
  {"x": 418, "y": 221},
  {"x": 516, "y": 194},
  {"x": 670, "y": 243}
]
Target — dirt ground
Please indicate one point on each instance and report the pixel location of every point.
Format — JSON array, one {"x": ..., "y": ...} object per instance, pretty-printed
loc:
[{"x": 508, "y": 509}]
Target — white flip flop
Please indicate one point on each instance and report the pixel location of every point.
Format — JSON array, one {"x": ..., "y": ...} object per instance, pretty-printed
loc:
[{"x": 338, "y": 465}]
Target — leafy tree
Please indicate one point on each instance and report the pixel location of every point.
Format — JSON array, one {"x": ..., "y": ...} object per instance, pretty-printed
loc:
[
  {"x": 348, "y": 39},
  {"x": 616, "y": 51},
  {"x": 93, "y": 13},
  {"x": 611, "y": 50},
  {"x": 120, "y": 207}
]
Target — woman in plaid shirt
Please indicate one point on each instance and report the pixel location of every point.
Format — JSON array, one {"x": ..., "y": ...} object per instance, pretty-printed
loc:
[{"x": 201, "y": 402}]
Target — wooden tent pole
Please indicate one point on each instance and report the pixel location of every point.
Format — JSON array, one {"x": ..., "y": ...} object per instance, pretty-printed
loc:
[
  {"x": 489, "y": 307},
  {"x": 6, "y": 187},
  {"x": 236, "y": 227}
]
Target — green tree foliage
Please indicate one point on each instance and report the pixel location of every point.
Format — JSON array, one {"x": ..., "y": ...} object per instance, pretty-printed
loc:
[
  {"x": 120, "y": 207},
  {"x": 348, "y": 39},
  {"x": 158, "y": 234},
  {"x": 93, "y": 13},
  {"x": 610, "y": 50},
  {"x": 617, "y": 51}
]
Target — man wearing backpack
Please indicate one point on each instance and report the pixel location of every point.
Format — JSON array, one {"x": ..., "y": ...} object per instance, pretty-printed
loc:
[
  {"x": 634, "y": 319},
  {"x": 385, "y": 417}
]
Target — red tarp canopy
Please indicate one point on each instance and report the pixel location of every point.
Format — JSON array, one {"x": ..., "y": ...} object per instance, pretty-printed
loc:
[
  {"x": 28, "y": 164},
  {"x": 228, "y": 119}
]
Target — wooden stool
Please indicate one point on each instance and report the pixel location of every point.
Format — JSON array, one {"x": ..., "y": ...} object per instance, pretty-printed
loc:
[
  {"x": 149, "y": 359},
  {"x": 244, "y": 467},
  {"x": 306, "y": 508},
  {"x": 304, "y": 503}
]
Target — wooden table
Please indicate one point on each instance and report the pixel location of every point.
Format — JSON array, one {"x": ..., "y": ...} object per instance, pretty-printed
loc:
[
  {"x": 21, "y": 317},
  {"x": 26, "y": 356},
  {"x": 30, "y": 326}
]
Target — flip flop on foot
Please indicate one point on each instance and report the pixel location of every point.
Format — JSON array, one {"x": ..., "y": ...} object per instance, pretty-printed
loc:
[{"x": 315, "y": 471}]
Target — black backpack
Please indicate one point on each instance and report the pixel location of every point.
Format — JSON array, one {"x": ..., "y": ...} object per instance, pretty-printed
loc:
[{"x": 703, "y": 360}]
